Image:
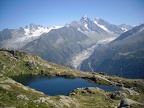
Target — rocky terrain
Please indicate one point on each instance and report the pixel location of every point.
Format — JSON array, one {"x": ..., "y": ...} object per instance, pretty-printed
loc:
[{"x": 16, "y": 95}]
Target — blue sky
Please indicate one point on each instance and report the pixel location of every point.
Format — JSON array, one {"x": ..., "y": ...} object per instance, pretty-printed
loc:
[{"x": 18, "y": 13}]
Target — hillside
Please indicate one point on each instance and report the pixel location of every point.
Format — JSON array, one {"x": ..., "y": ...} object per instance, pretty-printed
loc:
[
  {"x": 16, "y": 95},
  {"x": 122, "y": 57}
]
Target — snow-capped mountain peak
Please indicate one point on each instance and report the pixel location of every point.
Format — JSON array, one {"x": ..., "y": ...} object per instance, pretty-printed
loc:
[
  {"x": 35, "y": 30},
  {"x": 85, "y": 17},
  {"x": 124, "y": 29}
]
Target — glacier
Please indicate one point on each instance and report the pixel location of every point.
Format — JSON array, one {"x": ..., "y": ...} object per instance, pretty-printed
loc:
[{"x": 77, "y": 59}]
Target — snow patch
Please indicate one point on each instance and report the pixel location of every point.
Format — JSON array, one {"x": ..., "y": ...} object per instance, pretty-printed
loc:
[
  {"x": 85, "y": 25},
  {"x": 36, "y": 32},
  {"x": 124, "y": 29},
  {"x": 56, "y": 27},
  {"x": 102, "y": 26},
  {"x": 141, "y": 29}
]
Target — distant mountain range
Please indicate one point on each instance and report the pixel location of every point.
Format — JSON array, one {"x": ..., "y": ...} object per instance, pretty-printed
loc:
[
  {"x": 95, "y": 29},
  {"x": 16, "y": 38},
  {"x": 123, "y": 56},
  {"x": 69, "y": 45}
]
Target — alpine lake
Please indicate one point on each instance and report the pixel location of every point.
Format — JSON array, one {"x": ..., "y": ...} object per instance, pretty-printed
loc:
[{"x": 58, "y": 85}]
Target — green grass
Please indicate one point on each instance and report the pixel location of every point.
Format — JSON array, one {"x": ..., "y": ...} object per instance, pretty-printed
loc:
[{"x": 15, "y": 65}]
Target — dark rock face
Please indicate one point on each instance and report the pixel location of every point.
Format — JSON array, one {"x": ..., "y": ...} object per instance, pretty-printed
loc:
[{"x": 5, "y": 35}]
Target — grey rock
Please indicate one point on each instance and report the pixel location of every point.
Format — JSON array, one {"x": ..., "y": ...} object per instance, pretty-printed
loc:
[
  {"x": 22, "y": 97},
  {"x": 124, "y": 104}
]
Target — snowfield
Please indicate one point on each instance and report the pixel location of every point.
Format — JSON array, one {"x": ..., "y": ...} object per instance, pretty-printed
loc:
[
  {"x": 30, "y": 34},
  {"x": 103, "y": 27}
]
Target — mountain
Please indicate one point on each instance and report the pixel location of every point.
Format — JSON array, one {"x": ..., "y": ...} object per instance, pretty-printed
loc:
[
  {"x": 92, "y": 29},
  {"x": 100, "y": 26},
  {"x": 62, "y": 44},
  {"x": 122, "y": 57},
  {"x": 117, "y": 29},
  {"x": 58, "y": 45},
  {"x": 17, "y": 38}
]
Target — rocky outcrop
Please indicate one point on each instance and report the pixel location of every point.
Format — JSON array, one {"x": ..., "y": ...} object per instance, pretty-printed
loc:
[
  {"x": 127, "y": 103},
  {"x": 117, "y": 95}
]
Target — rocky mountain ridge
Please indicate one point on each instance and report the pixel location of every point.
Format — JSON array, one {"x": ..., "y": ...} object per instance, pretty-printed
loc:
[
  {"x": 13, "y": 37},
  {"x": 65, "y": 41}
]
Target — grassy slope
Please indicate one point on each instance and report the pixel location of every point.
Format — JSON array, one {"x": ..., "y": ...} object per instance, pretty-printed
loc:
[{"x": 14, "y": 63}]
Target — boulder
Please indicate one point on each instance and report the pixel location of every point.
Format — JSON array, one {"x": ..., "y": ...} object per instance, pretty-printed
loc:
[{"x": 126, "y": 103}]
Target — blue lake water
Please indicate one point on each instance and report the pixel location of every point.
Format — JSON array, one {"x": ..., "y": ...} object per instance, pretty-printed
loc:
[{"x": 58, "y": 85}]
